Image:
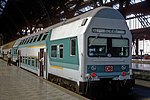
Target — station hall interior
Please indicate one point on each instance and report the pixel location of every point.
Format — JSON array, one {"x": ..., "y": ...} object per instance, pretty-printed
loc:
[
  {"x": 19, "y": 18},
  {"x": 24, "y": 18}
]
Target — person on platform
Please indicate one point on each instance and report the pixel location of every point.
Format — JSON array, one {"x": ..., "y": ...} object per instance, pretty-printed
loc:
[{"x": 9, "y": 59}]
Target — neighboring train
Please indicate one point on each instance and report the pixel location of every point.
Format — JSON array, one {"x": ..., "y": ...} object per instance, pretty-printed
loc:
[{"x": 90, "y": 51}]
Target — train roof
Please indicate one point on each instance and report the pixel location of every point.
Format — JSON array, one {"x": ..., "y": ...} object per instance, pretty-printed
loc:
[
  {"x": 9, "y": 45},
  {"x": 97, "y": 12},
  {"x": 101, "y": 12}
]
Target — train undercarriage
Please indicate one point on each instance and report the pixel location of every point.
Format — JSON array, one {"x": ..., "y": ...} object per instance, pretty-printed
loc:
[{"x": 96, "y": 90}]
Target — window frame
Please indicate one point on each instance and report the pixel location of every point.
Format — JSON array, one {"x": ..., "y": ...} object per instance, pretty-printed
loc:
[
  {"x": 40, "y": 37},
  {"x": 43, "y": 37},
  {"x": 108, "y": 46},
  {"x": 60, "y": 50},
  {"x": 56, "y": 51},
  {"x": 71, "y": 39}
]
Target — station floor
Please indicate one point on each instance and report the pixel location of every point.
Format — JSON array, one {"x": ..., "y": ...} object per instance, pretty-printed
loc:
[{"x": 18, "y": 84}]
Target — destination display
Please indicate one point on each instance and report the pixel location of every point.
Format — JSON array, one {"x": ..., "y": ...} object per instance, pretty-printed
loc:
[{"x": 108, "y": 31}]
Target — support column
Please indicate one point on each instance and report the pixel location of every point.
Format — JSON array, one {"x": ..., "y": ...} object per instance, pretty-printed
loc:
[{"x": 137, "y": 47}]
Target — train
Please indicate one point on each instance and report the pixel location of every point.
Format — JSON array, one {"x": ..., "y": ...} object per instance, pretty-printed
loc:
[
  {"x": 90, "y": 51},
  {"x": 5, "y": 49}
]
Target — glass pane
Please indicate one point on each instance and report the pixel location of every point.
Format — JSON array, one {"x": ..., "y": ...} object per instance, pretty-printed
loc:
[
  {"x": 35, "y": 39},
  {"x": 120, "y": 47},
  {"x": 31, "y": 39},
  {"x": 40, "y": 37},
  {"x": 97, "y": 41},
  {"x": 73, "y": 47},
  {"x": 97, "y": 47},
  {"x": 61, "y": 51},
  {"x": 44, "y": 37},
  {"x": 119, "y": 43},
  {"x": 54, "y": 51},
  {"x": 108, "y": 47}
]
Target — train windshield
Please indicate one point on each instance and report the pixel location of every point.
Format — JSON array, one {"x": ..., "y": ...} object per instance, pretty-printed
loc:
[{"x": 108, "y": 47}]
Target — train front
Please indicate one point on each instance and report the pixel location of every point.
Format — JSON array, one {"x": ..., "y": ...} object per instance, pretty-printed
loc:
[{"x": 108, "y": 53}]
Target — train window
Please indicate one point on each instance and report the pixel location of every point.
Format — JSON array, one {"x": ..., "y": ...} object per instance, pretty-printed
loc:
[
  {"x": 97, "y": 47},
  {"x": 36, "y": 62},
  {"x": 108, "y": 47},
  {"x": 34, "y": 38},
  {"x": 73, "y": 46},
  {"x": 28, "y": 60},
  {"x": 16, "y": 51},
  {"x": 31, "y": 39},
  {"x": 44, "y": 37},
  {"x": 54, "y": 51},
  {"x": 61, "y": 50},
  {"x": 21, "y": 42},
  {"x": 32, "y": 64},
  {"x": 24, "y": 41},
  {"x": 22, "y": 59},
  {"x": 120, "y": 47},
  {"x": 39, "y": 38},
  {"x": 84, "y": 22},
  {"x": 28, "y": 40}
]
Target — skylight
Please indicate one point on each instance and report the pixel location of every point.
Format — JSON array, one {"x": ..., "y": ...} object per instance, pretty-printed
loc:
[{"x": 2, "y": 5}]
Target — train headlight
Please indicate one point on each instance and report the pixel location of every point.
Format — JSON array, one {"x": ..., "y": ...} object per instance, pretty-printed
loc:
[
  {"x": 87, "y": 76},
  {"x": 123, "y": 67},
  {"x": 93, "y": 68},
  {"x": 123, "y": 73},
  {"x": 93, "y": 74}
]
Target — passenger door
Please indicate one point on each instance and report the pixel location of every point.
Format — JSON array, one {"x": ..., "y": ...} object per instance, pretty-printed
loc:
[{"x": 42, "y": 62}]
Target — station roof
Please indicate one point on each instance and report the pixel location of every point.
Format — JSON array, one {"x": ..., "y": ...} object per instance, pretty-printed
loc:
[
  {"x": 19, "y": 14},
  {"x": 16, "y": 15}
]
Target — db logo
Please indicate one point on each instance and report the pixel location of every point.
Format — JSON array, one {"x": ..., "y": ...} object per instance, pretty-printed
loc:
[{"x": 108, "y": 68}]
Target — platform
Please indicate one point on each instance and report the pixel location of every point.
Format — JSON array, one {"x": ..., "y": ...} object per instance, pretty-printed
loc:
[
  {"x": 141, "y": 68},
  {"x": 141, "y": 61},
  {"x": 18, "y": 84}
]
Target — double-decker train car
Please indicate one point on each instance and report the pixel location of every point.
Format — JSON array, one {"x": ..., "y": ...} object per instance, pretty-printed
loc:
[
  {"x": 27, "y": 52},
  {"x": 93, "y": 50},
  {"x": 5, "y": 49},
  {"x": 90, "y": 51}
]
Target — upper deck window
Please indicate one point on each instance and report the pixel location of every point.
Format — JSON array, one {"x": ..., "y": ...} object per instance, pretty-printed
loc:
[
  {"x": 34, "y": 38},
  {"x": 31, "y": 39},
  {"x": 44, "y": 37},
  {"x": 28, "y": 40},
  {"x": 84, "y": 22},
  {"x": 21, "y": 42},
  {"x": 39, "y": 38},
  {"x": 24, "y": 41},
  {"x": 73, "y": 47},
  {"x": 61, "y": 51},
  {"x": 108, "y": 47}
]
